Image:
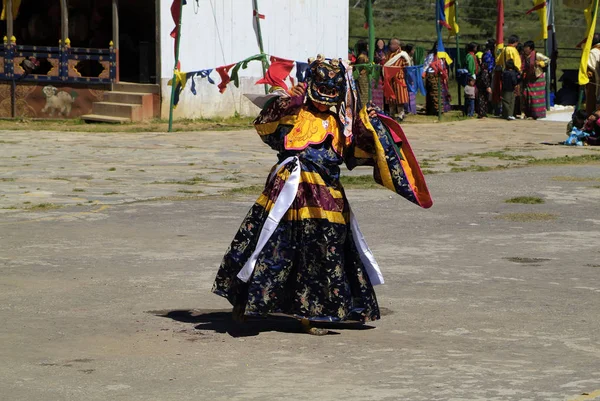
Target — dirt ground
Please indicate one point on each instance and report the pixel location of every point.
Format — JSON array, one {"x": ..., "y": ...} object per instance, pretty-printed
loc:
[{"x": 109, "y": 243}]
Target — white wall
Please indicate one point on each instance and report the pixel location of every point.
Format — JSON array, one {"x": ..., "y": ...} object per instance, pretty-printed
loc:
[{"x": 221, "y": 33}]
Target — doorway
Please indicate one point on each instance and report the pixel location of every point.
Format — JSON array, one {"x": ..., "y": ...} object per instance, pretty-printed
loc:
[{"x": 138, "y": 41}]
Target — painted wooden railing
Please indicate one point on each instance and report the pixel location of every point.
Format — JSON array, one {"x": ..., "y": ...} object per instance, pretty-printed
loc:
[{"x": 64, "y": 64}]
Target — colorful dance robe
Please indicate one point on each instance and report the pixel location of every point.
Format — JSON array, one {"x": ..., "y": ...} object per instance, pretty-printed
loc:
[{"x": 299, "y": 250}]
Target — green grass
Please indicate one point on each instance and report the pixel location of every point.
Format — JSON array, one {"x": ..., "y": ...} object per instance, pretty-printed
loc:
[
  {"x": 249, "y": 190},
  {"x": 78, "y": 190},
  {"x": 527, "y": 200},
  {"x": 110, "y": 193},
  {"x": 187, "y": 191},
  {"x": 583, "y": 159},
  {"x": 43, "y": 206},
  {"x": 527, "y": 217},
  {"x": 7, "y": 180},
  {"x": 112, "y": 169},
  {"x": 191, "y": 181},
  {"x": 476, "y": 168},
  {"x": 156, "y": 125},
  {"x": 359, "y": 182}
]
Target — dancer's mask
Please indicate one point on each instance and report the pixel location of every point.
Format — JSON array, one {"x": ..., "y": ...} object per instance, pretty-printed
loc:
[{"x": 326, "y": 81}]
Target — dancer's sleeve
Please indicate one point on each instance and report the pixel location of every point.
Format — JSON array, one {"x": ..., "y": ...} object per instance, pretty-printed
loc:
[
  {"x": 277, "y": 118},
  {"x": 381, "y": 143}
]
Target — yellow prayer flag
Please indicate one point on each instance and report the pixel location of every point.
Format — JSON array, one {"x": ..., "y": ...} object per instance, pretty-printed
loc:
[
  {"x": 590, "y": 16},
  {"x": 450, "y": 11},
  {"x": 15, "y": 9},
  {"x": 540, "y": 6}
]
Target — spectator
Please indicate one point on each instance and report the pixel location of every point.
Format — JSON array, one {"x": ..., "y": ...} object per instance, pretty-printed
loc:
[
  {"x": 471, "y": 59},
  {"x": 470, "y": 98},
  {"x": 593, "y": 71},
  {"x": 534, "y": 81},
  {"x": 510, "y": 80},
  {"x": 484, "y": 90},
  {"x": 394, "y": 75}
]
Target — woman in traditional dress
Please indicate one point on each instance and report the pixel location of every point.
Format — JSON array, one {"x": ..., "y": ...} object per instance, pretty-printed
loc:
[
  {"x": 534, "y": 82},
  {"x": 299, "y": 250},
  {"x": 436, "y": 78},
  {"x": 362, "y": 80},
  {"x": 484, "y": 90},
  {"x": 377, "y": 83},
  {"x": 393, "y": 72}
]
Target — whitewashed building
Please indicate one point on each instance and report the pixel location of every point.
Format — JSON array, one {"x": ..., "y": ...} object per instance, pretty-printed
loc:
[{"x": 220, "y": 32}]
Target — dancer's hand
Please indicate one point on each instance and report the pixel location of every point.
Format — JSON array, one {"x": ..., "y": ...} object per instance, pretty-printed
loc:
[
  {"x": 298, "y": 90},
  {"x": 371, "y": 111}
]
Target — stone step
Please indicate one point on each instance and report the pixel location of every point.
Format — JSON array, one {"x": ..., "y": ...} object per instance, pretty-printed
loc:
[
  {"x": 105, "y": 119},
  {"x": 134, "y": 112},
  {"x": 136, "y": 88}
]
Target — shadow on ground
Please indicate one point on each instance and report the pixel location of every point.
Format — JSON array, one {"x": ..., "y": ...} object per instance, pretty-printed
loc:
[{"x": 221, "y": 321}]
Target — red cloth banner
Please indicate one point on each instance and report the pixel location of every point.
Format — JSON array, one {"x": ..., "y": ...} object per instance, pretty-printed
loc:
[
  {"x": 278, "y": 71},
  {"x": 224, "y": 74}
]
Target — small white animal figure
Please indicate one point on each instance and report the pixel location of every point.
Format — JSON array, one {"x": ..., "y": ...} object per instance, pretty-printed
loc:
[{"x": 60, "y": 102}]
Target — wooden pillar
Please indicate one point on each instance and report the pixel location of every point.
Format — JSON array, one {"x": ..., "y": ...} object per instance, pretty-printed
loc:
[
  {"x": 115, "y": 34},
  {"x": 9, "y": 20},
  {"x": 64, "y": 22},
  {"x": 10, "y": 35}
]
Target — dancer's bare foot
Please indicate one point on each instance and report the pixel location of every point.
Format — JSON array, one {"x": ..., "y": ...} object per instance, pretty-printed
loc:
[{"x": 310, "y": 329}]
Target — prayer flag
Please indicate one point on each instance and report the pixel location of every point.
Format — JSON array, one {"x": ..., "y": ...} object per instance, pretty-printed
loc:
[
  {"x": 180, "y": 82},
  {"x": 541, "y": 7},
  {"x": 175, "y": 13},
  {"x": 15, "y": 9},
  {"x": 500, "y": 27},
  {"x": 450, "y": 13},
  {"x": 244, "y": 64},
  {"x": 590, "y": 16},
  {"x": 277, "y": 73},
  {"x": 224, "y": 74},
  {"x": 301, "y": 69},
  {"x": 441, "y": 21}
]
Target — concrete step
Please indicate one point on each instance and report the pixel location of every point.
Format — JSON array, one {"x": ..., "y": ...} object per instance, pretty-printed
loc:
[
  {"x": 146, "y": 100},
  {"x": 134, "y": 112},
  {"x": 125, "y": 97},
  {"x": 136, "y": 88},
  {"x": 105, "y": 119}
]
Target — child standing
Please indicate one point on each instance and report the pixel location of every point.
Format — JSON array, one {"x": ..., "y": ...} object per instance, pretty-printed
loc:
[
  {"x": 510, "y": 79},
  {"x": 470, "y": 98}
]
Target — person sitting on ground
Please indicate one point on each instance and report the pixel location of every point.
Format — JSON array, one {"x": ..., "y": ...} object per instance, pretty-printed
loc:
[
  {"x": 575, "y": 129},
  {"x": 592, "y": 129},
  {"x": 510, "y": 79},
  {"x": 470, "y": 98},
  {"x": 578, "y": 120}
]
